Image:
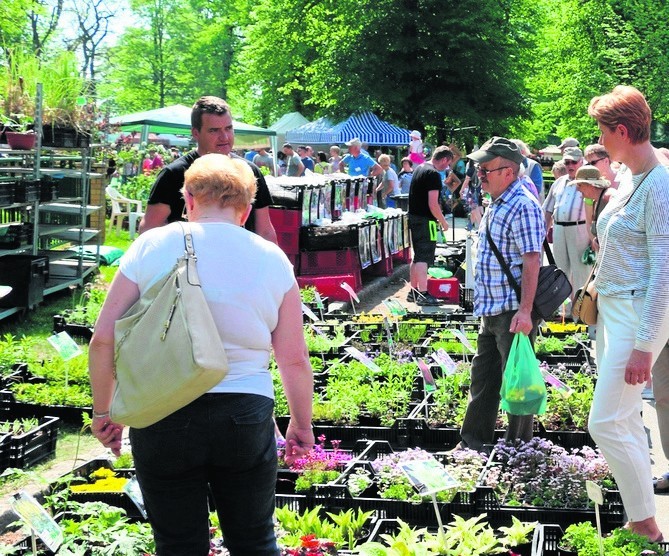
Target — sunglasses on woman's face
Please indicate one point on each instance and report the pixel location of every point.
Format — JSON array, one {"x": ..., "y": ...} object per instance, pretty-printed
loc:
[{"x": 570, "y": 162}]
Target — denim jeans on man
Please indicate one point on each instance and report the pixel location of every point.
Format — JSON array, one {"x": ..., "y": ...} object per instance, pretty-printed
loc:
[
  {"x": 222, "y": 442},
  {"x": 493, "y": 347}
]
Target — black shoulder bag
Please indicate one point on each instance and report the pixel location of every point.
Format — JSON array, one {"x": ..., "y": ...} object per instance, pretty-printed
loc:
[{"x": 553, "y": 286}]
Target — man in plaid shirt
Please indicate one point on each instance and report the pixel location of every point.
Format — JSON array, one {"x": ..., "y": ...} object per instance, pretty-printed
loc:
[{"x": 515, "y": 223}]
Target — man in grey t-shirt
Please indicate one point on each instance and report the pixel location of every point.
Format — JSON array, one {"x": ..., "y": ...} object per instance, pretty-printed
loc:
[{"x": 294, "y": 166}]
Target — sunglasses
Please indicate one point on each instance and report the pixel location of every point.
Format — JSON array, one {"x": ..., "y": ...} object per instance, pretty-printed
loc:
[
  {"x": 594, "y": 162},
  {"x": 570, "y": 162}
]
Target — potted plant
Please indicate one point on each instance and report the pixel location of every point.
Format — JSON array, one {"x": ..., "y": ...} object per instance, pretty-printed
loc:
[{"x": 18, "y": 132}]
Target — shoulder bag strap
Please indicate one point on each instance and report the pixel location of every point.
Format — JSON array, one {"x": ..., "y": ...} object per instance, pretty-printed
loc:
[
  {"x": 502, "y": 262},
  {"x": 190, "y": 256}
]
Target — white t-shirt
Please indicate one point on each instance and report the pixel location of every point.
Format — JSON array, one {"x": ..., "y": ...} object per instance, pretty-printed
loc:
[{"x": 244, "y": 278}]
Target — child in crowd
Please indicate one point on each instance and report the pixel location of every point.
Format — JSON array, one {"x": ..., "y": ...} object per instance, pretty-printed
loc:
[{"x": 416, "y": 148}]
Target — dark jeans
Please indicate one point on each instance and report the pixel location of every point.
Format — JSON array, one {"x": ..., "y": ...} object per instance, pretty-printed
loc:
[
  {"x": 494, "y": 344},
  {"x": 222, "y": 442}
]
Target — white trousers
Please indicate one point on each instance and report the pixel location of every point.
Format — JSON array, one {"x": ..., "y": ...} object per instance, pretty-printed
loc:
[
  {"x": 615, "y": 421},
  {"x": 569, "y": 243}
]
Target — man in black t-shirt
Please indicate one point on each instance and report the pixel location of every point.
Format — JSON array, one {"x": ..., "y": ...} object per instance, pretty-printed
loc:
[
  {"x": 212, "y": 128},
  {"x": 425, "y": 217}
]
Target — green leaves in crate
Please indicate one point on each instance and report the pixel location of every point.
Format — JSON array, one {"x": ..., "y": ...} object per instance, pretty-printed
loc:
[{"x": 352, "y": 389}]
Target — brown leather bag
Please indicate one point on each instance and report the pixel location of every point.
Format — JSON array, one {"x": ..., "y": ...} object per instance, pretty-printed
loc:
[{"x": 584, "y": 308}]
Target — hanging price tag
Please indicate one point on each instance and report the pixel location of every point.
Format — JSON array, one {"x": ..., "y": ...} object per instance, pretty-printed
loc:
[
  {"x": 556, "y": 383},
  {"x": 428, "y": 380},
  {"x": 309, "y": 313},
  {"x": 460, "y": 335},
  {"x": 366, "y": 361},
  {"x": 445, "y": 361}
]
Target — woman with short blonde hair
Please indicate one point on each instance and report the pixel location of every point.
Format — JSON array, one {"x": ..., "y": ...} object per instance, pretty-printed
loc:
[{"x": 633, "y": 302}]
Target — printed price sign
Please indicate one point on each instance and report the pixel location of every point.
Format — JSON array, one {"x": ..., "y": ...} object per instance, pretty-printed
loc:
[
  {"x": 428, "y": 476},
  {"x": 66, "y": 347},
  {"x": 460, "y": 335},
  {"x": 445, "y": 361},
  {"x": 39, "y": 521},
  {"x": 366, "y": 361},
  {"x": 428, "y": 379}
]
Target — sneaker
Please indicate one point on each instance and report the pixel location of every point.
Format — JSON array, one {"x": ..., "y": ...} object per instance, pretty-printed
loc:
[{"x": 428, "y": 300}]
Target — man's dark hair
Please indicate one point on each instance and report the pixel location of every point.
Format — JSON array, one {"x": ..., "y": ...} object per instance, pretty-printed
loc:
[
  {"x": 207, "y": 105},
  {"x": 287, "y": 146},
  {"x": 442, "y": 152}
]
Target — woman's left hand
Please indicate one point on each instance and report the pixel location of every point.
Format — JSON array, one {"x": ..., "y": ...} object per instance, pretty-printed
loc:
[
  {"x": 638, "y": 367},
  {"x": 109, "y": 434}
]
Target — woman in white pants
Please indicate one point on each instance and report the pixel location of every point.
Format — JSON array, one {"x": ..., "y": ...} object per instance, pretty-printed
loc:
[{"x": 633, "y": 287}]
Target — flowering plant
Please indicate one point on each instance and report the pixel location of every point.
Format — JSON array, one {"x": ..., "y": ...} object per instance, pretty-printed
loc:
[
  {"x": 311, "y": 546},
  {"x": 539, "y": 473},
  {"x": 318, "y": 465}
]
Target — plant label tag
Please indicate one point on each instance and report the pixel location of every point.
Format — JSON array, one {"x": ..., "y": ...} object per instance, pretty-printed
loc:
[
  {"x": 309, "y": 313},
  {"x": 366, "y": 361},
  {"x": 594, "y": 492},
  {"x": 131, "y": 488},
  {"x": 347, "y": 287},
  {"x": 37, "y": 518},
  {"x": 395, "y": 307},
  {"x": 428, "y": 476},
  {"x": 317, "y": 330},
  {"x": 428, "y": 380},
  {"x": 460, "y": 335},
  {"x": 556, "y": 383},
  {"x": 445, "y": 361},
  {"x": 389, "y": 332},
  {"x": 319, "y": 300},
  {"x": 66, "y": 347}
]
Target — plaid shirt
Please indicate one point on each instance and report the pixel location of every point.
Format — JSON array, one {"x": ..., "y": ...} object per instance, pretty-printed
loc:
[{"x": 516, "y": 224}]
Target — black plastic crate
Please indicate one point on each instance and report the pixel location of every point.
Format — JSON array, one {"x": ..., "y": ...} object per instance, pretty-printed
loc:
[
  {"x": 486, "y": 501},
  {"x": 10, "y": 406},
  {"x": 35, "y": 446},
  {"x": 6, "y": 193},
  {"x": 117, "y": 499},
  {"x": 27, "y": 275},
  {"x": 329, "y": 238},
  {"x": 27, "y": 191}
]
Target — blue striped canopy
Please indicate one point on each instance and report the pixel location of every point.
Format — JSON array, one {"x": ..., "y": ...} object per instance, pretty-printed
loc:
[
  {"x": 318, "y": 131},
  {"x": 367, "y": 127},
  {"x": 370, "y": 129}
]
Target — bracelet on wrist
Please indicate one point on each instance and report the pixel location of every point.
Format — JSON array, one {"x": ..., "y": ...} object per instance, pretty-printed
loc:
[{"x": 100, "y": 415}]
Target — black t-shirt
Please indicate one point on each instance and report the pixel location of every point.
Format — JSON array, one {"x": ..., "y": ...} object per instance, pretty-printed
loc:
[
  {"x": 425, "y": 179},
  {"x": 168, "y": 184}
]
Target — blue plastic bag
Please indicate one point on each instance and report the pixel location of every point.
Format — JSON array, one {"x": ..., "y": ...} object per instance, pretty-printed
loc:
[{"x": 523, "y": 388}]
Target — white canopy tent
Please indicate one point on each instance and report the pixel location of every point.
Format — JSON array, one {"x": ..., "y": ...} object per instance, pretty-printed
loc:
[{"x": 176, "y": 119}]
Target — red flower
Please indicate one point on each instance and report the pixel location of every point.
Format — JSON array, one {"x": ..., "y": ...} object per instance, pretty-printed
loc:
[{"x": 310, "y": 542}]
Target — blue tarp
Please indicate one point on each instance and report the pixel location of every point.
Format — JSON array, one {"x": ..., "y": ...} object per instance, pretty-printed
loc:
[{"x": 368, "y": 127}]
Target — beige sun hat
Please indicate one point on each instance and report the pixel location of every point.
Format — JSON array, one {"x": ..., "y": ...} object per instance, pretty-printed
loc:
[{"x": 590, "y": 175}]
